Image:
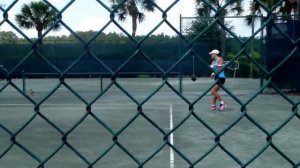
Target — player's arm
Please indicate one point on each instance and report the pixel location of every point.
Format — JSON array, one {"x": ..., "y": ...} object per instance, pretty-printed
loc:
[
  {"x": 220, "y": 64},
  {"x": 212, "y": 75}
]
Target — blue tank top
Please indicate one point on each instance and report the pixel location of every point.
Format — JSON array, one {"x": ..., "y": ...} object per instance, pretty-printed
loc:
[{"x": 215, "y": 68}]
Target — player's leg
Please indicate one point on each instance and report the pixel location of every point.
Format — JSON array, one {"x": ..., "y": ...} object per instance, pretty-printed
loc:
[
  {"x": 214, "y": 93},
  {"x": 222, "y": 106}
]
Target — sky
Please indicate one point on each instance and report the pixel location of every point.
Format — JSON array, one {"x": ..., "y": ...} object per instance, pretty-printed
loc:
[{"x": 85, "y": 15}]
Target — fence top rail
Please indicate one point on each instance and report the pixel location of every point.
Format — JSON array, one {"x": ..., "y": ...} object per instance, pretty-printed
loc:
[{"x": 237, "y": 16}]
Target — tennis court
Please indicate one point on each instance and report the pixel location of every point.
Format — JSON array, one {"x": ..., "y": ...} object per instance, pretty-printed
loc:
[
  {"x": 128, "y": 130},
  {"x": 61, "y": 114}
]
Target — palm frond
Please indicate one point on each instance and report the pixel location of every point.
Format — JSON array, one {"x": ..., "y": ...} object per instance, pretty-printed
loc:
[
  {"x": 56, "y": 27},
  {"x": 237, "y": 7},
  {"x": 132, "y": 8},
  {"x": 49, "y": 20},
  {"x": 216, "y": 3},
  {"x": 122, "y": 16},
  {"x": 141, "y": 17},
  {"x": 238, "y": 10},
  {"x": 204, "y": 10},
  {"x": 256, "y": 7},
  {"x": 26, "y": 11},
  {"x": 148, "y": 5},
  {"x": 249, "y": 19},
  {"x": 38, "y": 9},
  {"x": 119, "y": 8},
  {"x": 24, "y": 21},
  {"x": 114, "y": 7},
  {"x": 112, "y": 1}
]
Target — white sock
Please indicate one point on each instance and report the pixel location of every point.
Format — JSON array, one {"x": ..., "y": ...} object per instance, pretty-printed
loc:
[{"x": 222, "y": 102}]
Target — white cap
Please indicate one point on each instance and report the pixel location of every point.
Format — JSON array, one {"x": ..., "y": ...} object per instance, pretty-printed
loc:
[{"x": 215, "y": 51}]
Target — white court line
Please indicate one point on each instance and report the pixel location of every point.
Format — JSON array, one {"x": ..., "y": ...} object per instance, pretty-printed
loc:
[{"x": 172, "y": 161}]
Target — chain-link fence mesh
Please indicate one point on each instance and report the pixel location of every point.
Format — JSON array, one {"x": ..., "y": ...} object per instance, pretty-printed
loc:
[{"x": 16, "y": 143}]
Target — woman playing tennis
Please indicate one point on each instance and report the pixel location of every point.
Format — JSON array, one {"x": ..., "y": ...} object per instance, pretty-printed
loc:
[{"x": 217, "y": 65}]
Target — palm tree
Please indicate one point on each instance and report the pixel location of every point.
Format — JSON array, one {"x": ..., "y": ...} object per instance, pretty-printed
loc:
[
  {"x": 130, "y": 7},
  {"x": 285, "y": 9},
  {"x": 37, "y": 15},
  {"x": 204, "y": 10}
]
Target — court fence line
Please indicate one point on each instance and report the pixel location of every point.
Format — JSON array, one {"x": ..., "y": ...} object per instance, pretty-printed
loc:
[{"x": 62, "y": 75}]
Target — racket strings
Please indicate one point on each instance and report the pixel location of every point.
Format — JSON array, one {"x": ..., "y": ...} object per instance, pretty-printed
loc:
[{"x": 234, "y": 65}]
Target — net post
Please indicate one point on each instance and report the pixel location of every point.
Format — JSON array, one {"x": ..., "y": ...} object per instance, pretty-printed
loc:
[
  {"x": 262, "y": 57},
  {"x": 180, "y": 52},
  {"x": 180, "y": 82},
  {"x": 252, "y": 43},
  {"x": 23, "y": 81},
  {"x": 101, "y": 83}
]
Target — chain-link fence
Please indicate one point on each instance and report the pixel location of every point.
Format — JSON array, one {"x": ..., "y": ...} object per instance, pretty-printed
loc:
[
  {"x": 189, "y": 26},
  {"x": 13, "y": 139}
]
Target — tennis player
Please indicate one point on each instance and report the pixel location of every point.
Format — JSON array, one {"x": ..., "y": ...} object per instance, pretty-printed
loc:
[{"x": 216, "y": 65}]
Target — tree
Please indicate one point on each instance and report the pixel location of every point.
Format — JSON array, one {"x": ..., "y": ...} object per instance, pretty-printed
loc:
[
  {"x": 204, "y": 10},
  {"x": 37, "y": 15},
  {"x": 284, "y": 10},
  {"x": 8, "y": 37},
  {"x": 197, "y": 25},
  {"x": 130, "y": 7}
]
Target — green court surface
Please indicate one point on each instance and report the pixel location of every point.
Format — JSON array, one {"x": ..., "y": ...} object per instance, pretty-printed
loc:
[{"x": 116, "y": 134}]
